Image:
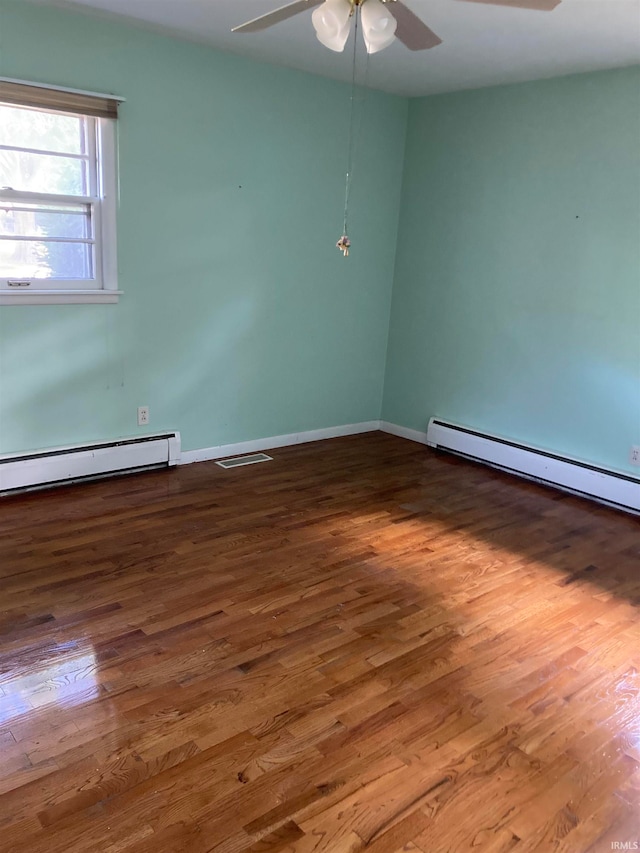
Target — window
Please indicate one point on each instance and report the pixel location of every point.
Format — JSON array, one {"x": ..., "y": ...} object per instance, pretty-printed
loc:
[{"x": 57, "y": 196}]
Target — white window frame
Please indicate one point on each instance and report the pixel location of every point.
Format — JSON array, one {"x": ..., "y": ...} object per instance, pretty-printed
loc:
[{"x": 103, "y": 183}]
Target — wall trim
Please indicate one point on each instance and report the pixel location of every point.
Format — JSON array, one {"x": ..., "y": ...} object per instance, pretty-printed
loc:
[
  {"x": 60, "y": 297},
  {"x": 404, "y": 432},
  {"x": 204, "y": 454}
]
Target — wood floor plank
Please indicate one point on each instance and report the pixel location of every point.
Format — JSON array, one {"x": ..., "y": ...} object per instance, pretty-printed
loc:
[{"x": 362, "y": 645}]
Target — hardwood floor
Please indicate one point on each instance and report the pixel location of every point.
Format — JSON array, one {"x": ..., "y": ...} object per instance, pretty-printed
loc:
[{"x": 362, "y": 645}]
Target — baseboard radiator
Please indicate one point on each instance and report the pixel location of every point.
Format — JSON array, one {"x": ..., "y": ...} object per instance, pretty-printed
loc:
[
  {"x": 59, "y": 465},
  {"x": 616, "y": 489}
]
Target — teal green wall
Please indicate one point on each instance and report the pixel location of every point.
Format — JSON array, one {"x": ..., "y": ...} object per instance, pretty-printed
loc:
[
  {"x": 516, "y": 303},
  {"x": 240, "y": 318},
  {"x": 516, "y": 298}
]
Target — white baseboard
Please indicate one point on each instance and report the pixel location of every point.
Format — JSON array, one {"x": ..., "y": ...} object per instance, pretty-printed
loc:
[
  {"x": 204, "y": 454},
  {"x": 404, "y": 432}
]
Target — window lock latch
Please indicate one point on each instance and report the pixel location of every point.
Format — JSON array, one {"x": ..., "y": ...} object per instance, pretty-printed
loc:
[{"x": 18, "y": 282}]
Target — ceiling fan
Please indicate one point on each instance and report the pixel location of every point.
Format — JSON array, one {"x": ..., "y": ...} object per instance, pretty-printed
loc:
[{"x": 382, "y": 21}]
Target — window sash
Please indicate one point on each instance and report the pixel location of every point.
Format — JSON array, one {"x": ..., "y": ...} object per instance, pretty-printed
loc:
[
  {"x": 66, "y": 154},
  {"x": 99, "y": 150},
  {"x": 91, "y": 204},
  {"x": 86, "y": 159},
  {"x": 7, "y": 194},
  {"x": 81, "y": 215},
  {"x": 31, "y": 238},
  {"x": 10, "y": 283}
]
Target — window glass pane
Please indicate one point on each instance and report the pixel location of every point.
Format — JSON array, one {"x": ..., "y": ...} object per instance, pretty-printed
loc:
[
  {"x": 31, "y": 220},
  {"x": 42, "y": 259},
  {"x": 35, "y": 129},
  {"x": 43, "y": 173}
]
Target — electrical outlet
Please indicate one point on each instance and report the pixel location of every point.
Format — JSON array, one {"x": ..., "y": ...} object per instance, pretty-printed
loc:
[
  {"x": 143, "y": 415},
  {"x": 634, "y": 456}
]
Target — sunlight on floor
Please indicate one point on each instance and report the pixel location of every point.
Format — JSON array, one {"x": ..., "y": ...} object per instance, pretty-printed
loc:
[{"x": 65, "y": 674}]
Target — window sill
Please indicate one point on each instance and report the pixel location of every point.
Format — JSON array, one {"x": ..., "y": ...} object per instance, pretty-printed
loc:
[{"x": 60, "y": 297}]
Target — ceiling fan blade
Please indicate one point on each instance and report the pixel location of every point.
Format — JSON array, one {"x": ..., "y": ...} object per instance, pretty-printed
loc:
[
  {"x": 411, "y": 31},
  {"x": 276, "y": 16},
  {"x": 537, "y": 5}
]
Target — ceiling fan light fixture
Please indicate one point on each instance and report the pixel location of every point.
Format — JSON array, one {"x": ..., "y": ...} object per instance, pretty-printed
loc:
[
  {"x": 331, "y": 22},
  {"x": 378, "y": 25}
]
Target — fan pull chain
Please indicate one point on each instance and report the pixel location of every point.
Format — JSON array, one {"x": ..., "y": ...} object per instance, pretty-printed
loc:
[{"x": 344, "y": 243}]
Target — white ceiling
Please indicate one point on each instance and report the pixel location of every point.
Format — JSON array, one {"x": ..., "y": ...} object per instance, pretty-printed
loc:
[{"x": 482, "y": 45}]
